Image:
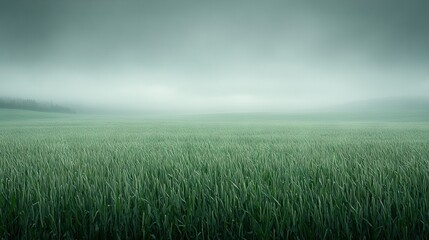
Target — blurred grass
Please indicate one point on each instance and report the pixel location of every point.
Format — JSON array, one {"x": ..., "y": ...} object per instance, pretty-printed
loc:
[{"x": 213, "y": 177}]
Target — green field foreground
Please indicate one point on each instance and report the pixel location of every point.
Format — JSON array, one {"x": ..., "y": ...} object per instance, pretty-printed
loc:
[{"x": 66, "y": 177}]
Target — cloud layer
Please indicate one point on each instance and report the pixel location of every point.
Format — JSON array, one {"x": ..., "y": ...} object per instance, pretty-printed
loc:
[{"x": 199, "y": 56}]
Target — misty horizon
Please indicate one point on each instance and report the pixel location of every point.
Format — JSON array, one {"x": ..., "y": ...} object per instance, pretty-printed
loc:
[
  {"x": 227, "y": 119},
  {"x": 223, "y": 56}
]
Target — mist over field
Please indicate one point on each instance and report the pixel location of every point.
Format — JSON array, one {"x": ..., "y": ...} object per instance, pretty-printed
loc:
[
  {"x": 226, "y": 119},
  {"x": 213, "y": 56}
]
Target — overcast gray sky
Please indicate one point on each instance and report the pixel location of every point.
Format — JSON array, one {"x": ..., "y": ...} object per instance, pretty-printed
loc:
[{"x": 213, "y": 56}]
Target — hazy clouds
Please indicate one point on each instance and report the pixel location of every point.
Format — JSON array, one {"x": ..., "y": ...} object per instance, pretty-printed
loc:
[{"x": 213, "y": 55}]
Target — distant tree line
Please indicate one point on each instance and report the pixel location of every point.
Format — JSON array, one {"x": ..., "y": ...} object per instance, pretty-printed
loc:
[{"x": 29, "y": 104}]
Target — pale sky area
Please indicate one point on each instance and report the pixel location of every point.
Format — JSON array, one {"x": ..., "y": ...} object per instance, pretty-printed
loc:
[{"x": 213, "y": 56}]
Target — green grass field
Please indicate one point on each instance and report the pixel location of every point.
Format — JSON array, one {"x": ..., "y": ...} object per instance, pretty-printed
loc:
[{"x": 70, "y": 176}]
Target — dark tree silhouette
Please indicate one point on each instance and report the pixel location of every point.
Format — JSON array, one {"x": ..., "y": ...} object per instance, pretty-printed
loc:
[{"x": 29, "y": 104}]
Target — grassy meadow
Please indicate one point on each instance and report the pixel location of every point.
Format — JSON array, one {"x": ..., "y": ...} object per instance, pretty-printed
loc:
[{"x": 218, "y": 177}]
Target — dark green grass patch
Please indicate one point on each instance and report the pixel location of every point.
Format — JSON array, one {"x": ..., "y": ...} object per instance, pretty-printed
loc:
[{"x": 179, "y": 180}]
